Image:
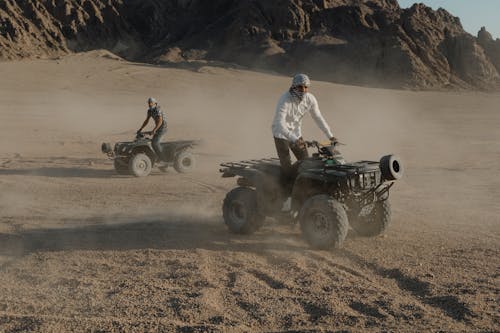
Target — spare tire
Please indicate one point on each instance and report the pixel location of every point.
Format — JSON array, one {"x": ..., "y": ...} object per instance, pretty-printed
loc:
[
  {"x": 106, "y": 147},
  {"x": 391, "y": 167}
]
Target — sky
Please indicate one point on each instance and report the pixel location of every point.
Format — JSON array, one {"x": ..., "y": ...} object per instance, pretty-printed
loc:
[{"x": 473, "y": 14}]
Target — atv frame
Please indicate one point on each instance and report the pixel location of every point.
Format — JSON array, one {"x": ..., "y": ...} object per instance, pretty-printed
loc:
[
  {"x": 138, "y": 157},
  {"x": 339, "y": 194}
]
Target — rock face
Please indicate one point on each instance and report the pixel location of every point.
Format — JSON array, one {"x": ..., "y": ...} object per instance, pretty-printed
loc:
[
  {"x": 491, "y": 47},
  {"x": 371, "y": 42},
  {"x": 41, "y": 28}
]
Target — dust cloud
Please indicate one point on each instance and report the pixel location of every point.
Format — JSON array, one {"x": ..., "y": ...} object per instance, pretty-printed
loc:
[{"x": 155, "y": 252}]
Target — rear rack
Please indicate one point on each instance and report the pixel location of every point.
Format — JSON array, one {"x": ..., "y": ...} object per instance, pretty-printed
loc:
[{"x": 248, "y": 163}]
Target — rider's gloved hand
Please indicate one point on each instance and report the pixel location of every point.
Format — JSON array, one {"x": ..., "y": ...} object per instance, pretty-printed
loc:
[
  {"x": 300, "y": 143},
  {"x": 334, "y": 140},
  {"x": 138, "y": 132}
]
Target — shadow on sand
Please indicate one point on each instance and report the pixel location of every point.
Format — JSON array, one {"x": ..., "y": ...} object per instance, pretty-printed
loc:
[
  {"x": 176, "y": 233},
  {"x": 59, "y": 172}
]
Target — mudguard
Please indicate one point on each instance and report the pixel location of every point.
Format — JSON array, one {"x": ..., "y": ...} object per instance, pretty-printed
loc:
[
  {"x": 129, "y": 148},
  {"x": 173, "y": 148},
  {"x": 253, "y": 175},
  {"x": 269, "y": 191},
  {"x": 307, "y": 184}
]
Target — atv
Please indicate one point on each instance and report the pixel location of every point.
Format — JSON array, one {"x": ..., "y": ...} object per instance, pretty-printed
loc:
[
  {"x": 326, "y": 195},
  {"x": 138, "y": 157}
]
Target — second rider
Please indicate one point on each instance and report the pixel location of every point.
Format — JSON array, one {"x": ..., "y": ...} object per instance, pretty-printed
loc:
[{"x": 160, "y": 129}]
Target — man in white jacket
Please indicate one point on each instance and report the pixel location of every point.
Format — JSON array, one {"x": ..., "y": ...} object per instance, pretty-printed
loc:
[{"x": 292, "y": 107}]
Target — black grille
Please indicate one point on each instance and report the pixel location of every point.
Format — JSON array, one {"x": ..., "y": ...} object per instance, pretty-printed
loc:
[{"x": 363, "y": 180}]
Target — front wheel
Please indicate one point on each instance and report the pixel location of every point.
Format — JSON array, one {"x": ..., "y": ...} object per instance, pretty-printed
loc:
[
  {"x": 323, "y": 221},
  {"x": 140, "y": 165},
  {"x": 240, "y": 211},
  {"x": 184, "y": 162},
  {"x": 373, "y": 219}
]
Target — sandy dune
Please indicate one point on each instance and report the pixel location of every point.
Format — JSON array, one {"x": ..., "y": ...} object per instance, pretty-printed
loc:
[{"x": 82, "y": 249}]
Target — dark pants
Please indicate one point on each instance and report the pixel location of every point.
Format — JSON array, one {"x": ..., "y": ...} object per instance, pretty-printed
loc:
[
  {"x": 283, "y": 147},
  {"x": 155, "y": 142}
]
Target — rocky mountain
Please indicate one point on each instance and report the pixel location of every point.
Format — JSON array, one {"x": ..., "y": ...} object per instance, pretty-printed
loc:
[{"x": 366, "y": 42}]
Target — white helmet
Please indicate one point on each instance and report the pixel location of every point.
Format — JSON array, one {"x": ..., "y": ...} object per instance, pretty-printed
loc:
[
  {"x": 152, "y": 100},
  {"x": 301, "y": 80}
]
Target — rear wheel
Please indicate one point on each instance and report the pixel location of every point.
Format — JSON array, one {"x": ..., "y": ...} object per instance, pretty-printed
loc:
[
  {"x": 121, "y": 166},
  {"x": 240, "y": 211},
  {"x": 184, "y": 162},
  {"x": 323, "y": 221},
  {"x": 140, "y": 165},
  {"x": 373, "y": 219}
]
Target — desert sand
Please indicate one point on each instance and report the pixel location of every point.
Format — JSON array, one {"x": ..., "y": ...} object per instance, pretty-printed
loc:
[{"x": 83, "y": 249}]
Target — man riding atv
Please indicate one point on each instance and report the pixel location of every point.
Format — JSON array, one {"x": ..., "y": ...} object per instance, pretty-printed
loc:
[
  {"x": 323, "y": 193},
  {"x": 139, "y": 156},
  {"x": 160, "y": 129},
  {"x": 292, "y": 107}
]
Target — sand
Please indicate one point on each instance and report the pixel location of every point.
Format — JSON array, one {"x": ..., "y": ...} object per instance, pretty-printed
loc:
[{"x": 83, "y": 249}]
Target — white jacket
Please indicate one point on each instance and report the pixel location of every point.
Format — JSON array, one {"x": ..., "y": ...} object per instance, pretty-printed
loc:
[{"x": 288, "y": 118}]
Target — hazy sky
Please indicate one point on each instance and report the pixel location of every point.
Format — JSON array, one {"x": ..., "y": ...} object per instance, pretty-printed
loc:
[{"x": 473, "y": 14}]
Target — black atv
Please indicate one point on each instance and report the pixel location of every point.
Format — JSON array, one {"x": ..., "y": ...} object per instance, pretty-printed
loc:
[
  {"x": 138, "y": 157},
  {"x": 327, "y": 195}
]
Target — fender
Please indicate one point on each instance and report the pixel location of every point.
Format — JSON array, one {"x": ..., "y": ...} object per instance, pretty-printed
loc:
[
  {"x": 253, "y": 175},
  {"x": 306, "y": 185},
  {"x": 172, "y": 148},
  {"x": 143, "y": 147},
  {"x": 270, "y": 194},
  {"x": 146, "y": 149}
]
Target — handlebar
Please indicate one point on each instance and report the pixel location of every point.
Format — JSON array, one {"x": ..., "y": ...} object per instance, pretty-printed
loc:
[
  {"x": 316, "y": 144},
  {"x": 326, "y": 149},
  {"x": 310, "y": 144},
  {"x": 141, "y": 135}
]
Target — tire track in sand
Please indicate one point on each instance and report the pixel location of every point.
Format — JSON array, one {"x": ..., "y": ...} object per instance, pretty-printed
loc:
[{"x": 422, "y": 292}]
